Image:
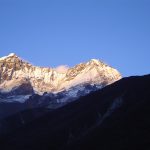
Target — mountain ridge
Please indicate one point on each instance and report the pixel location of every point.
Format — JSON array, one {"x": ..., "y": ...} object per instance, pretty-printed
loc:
[{"x": 45, "y": 79}]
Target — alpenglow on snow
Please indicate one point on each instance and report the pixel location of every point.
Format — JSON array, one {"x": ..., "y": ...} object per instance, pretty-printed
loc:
[
  {"x": 19, "y": 77},
  {"x": 14, "y": 72}
]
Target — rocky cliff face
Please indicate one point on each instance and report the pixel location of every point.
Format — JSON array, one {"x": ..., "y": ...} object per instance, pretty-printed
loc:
[{"x": 15, "y": 72}]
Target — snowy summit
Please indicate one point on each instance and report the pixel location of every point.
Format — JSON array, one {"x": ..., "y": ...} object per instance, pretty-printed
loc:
[{"x": 19, "y": 73}]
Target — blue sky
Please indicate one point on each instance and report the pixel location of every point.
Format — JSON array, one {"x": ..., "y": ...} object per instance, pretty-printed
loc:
[{"x": 55, "y": 32}]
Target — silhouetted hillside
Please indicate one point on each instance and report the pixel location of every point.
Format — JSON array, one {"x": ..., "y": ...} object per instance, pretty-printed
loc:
[{"x": 116, "y": 117}]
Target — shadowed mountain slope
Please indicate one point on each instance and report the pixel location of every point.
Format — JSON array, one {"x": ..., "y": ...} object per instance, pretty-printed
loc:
[{"x": 115, "y": 117}]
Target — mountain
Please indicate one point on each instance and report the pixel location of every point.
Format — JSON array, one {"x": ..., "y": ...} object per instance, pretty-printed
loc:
[
  {"x": 21, "y": 82},
  {"x": 115, "y": 117},
  {"x": 14, "y": 72}
]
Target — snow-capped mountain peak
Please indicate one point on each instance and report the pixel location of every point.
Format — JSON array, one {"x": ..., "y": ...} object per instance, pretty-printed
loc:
[
  {"x": 96, "y": 61},
  {"x": 14, "y": 70},
  {"x": 6, "y": 57},
  {"x": 12, "y": 54}
]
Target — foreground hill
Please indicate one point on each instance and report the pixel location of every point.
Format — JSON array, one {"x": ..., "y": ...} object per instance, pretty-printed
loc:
[{"x": 115, "y": 117}]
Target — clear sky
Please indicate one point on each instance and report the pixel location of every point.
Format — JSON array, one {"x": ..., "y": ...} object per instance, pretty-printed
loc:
[{"x": 55, "y": 32}]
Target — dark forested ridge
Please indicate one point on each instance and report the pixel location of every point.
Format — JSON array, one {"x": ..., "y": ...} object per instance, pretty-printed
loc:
[{"x": 116, "y": 117}]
